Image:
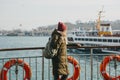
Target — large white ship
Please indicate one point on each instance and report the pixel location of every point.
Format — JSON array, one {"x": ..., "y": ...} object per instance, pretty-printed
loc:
[{"x": 102, "y": 35}]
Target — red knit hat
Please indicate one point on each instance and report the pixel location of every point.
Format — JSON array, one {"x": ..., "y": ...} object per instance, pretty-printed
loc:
[{"x": 61, "y": 26}]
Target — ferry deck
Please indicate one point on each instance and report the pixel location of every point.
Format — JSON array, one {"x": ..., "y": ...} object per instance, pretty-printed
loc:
[{"x": 90, "y": 65}]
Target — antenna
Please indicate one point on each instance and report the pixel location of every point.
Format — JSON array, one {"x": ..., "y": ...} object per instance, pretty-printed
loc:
[{"x": 101, "y": 11}]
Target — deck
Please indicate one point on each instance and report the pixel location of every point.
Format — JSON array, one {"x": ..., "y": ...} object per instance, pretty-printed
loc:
[{"x": 41, "y": 68}]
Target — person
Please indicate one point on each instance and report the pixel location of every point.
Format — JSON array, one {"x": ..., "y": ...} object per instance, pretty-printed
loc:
[{"x": 59, "y": 62}]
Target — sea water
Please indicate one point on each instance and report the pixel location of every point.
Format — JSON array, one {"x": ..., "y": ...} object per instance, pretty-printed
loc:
[{"x": 21, "y": 42}]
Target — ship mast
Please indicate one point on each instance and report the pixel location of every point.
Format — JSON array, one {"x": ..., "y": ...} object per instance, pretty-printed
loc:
[
  {"x": 99, "y": 21},
  {"x": 98, "y": 25}
]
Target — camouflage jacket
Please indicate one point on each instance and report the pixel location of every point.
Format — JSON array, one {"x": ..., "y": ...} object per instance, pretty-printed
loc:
[{"x": 60, "y": 63}]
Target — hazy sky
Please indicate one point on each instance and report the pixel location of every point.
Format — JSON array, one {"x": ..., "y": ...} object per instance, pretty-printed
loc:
[{"x": 34, "y": 13}]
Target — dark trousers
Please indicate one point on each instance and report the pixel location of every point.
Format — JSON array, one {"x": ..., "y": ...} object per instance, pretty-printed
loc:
[{"x": 63, "y": 77}]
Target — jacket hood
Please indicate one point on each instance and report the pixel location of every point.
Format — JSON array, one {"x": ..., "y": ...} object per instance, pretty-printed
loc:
[{"x": 58, "y": 33}]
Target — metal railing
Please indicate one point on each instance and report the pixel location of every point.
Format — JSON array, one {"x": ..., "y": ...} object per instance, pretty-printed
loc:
[{"x": 41, "y": 68}]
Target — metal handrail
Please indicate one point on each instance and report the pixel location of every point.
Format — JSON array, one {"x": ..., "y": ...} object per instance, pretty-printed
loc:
[
  {"x": 70, "y": 47},
  {"x": 91, "y": 55}
]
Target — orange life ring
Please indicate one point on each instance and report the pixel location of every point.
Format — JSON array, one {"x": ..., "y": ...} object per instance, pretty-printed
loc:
[
  {"x": 103, "y": 65},
  {"x": 12, "y": 62},
  {"x": 76, "y": 65}
]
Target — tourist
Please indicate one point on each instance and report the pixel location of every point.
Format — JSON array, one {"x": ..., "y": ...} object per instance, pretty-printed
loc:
[{"x": 59, "y": 62}]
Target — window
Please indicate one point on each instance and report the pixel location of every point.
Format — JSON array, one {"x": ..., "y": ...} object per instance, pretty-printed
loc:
[
  {"x": 86, "y": 39},
  {"x": 82, "y": 39},
  {"x": 90, "y": 39},
  {"x": 115, "y": 40},
  {"x": 99, "y": 40},
  {"x": 79, "y": 39},
  {"x": 109, "y": 40},
  {"x": 104, "y": 40},
  {"x": 95, "y": 39},
  {"x": 76, "y": 39}
]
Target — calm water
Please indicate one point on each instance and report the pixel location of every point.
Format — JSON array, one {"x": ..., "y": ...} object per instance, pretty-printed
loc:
[
  {"x": 21, "y": 42},
  {"x": 13, "y": 42}
]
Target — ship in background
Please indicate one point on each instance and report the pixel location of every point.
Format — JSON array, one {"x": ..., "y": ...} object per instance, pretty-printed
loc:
[{"x": 101, "y": 35}]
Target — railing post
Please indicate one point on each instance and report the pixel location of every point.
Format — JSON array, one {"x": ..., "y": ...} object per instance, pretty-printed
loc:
[
  {"x": 42, "y": 66},
  {"x": 49, "y": 70},
  {"x": 16, "y": 70},
  {"x": 91, "y": 52}
]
